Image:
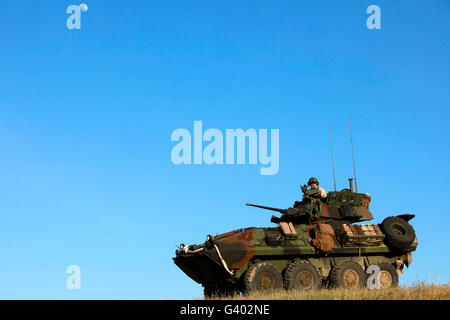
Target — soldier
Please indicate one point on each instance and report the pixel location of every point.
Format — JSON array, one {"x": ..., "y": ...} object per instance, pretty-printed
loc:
[{"x": 315, "y": 189}]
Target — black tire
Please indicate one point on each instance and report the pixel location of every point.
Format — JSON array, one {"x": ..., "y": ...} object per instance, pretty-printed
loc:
[
  {"x": 388, "y": 275},
  {"x": 218, "y": 291},
  {"x": 399, "y": 234},
  {"x": 347, "y": 274},
  {"x": 302, "y": 276},
  {"x": 262, "y": 276}
]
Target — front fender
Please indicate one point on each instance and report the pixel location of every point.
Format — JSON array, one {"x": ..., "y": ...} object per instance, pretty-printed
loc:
[{"x": 406, "y": 216}]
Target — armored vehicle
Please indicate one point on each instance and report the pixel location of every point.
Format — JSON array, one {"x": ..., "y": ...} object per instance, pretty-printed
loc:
[{"x": 318, "y": 242}]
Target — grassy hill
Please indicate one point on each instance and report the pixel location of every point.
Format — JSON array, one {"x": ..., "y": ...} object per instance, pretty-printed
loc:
[{"x": 414, "y": 292}]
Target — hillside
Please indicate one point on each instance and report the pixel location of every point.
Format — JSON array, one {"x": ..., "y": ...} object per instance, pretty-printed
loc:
[{"x": 414, "y": 292}]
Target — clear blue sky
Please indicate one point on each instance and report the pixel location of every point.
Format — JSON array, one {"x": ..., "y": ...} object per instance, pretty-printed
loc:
[{"x": 86, "y": 117}]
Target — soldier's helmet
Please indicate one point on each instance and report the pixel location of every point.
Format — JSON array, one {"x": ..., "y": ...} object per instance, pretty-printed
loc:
[{"x": 313, "y": 180}]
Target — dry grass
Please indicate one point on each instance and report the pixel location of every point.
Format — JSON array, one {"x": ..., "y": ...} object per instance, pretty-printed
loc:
[{"x": 415, "y": 292}]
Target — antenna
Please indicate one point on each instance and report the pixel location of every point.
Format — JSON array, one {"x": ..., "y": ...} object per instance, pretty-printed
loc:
[
  {"x": 353, "y": 152},
  {"x": 332, "y": 160}
]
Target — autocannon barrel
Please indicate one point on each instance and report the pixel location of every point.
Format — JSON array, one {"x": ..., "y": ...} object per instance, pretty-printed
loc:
[{"x": 283, "y": 211}]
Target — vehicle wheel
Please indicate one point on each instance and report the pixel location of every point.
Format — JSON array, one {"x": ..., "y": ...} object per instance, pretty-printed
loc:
[
  {"x": 301, "y": 276},
  {"x": 388, "y": 275},
  {"x": 218, "y": 291},
  {"x": 262, "y": 276},
  {"x": 399, "y": 234},
  {"x": 347, "y": 274}
]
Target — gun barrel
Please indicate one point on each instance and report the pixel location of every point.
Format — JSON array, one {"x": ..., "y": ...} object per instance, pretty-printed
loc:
[{"x": 284, "y": 211}]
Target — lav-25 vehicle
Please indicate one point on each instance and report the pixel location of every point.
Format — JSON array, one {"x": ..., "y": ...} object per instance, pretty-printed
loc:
[{"x": 315, "y": 243}]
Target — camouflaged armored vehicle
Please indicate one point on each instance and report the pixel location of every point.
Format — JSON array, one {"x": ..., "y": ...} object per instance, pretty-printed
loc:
[{"x": 316, "y": 243}]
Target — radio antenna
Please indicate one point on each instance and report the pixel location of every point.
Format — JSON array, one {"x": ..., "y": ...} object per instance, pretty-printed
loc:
[
  {"x": 353, "y": 153},
  {"x": 332, "y": 160}
]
